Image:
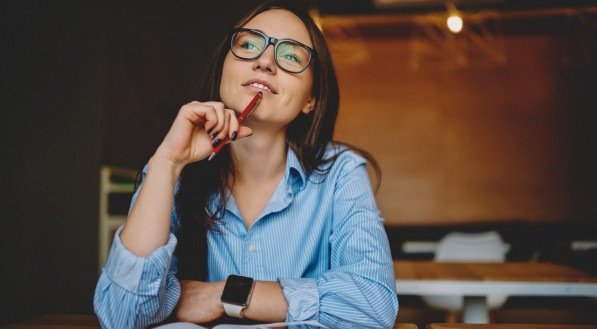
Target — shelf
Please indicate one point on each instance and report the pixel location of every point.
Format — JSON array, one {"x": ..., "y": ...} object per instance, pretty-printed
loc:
[
  {"x": 112, "y": 180},
  {"x": 119, "y": 188}
]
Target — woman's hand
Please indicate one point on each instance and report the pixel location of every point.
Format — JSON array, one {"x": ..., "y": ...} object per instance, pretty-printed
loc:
[
  {"x": 196, "y": 129},
  {"x": 200, "y": 301}
]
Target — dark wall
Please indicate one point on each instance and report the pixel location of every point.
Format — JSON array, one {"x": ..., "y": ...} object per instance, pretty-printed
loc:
[
  {"x": 53, "y": 85},
  {"x": 84, "y": 84},
  {"x": 157, "y": 56}
]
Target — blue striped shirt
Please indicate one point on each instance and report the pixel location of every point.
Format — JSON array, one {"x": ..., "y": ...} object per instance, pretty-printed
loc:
[{"x": 320, "y": 237}]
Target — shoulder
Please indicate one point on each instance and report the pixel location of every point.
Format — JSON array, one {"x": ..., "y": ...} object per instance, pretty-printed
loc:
[
  {"x": 341, "y": 159},
  {"x": 343, "y": 155}
]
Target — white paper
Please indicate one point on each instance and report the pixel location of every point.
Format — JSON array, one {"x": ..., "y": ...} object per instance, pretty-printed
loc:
[
  {"x": 180, "y": 325},
  {"x": 188, "y": 325}
]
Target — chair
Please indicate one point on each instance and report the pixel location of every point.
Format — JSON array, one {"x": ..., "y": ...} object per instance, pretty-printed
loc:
[{"x": 468, "y": 247}]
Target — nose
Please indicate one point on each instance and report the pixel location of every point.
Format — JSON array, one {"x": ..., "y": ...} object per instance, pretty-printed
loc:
[{"x": 266, "y": 62}]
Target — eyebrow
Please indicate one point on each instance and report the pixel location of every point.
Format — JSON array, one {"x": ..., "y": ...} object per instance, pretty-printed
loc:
[{"x": 304, "y": 43}]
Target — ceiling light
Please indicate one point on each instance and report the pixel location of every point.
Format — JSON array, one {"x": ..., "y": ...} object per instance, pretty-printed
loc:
[{"x": 454, "y": 23}]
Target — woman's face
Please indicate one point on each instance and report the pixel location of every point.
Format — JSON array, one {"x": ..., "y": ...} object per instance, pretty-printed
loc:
[{"x": 285, "y": 94}]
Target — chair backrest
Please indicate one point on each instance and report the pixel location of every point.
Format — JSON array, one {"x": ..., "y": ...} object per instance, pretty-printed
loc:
[
  {"x": 469, "y": 247},
  {"x": 474, "y": 247}
]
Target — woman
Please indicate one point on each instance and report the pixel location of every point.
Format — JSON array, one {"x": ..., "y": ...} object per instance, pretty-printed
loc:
[{"x": 286, "y": 209}]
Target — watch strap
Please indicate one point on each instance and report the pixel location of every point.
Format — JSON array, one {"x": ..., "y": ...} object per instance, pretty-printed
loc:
[{"x": 233, "y": 310}]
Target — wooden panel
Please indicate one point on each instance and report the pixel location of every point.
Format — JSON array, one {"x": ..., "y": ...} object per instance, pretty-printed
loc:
[{"x": 477, "y": 141}]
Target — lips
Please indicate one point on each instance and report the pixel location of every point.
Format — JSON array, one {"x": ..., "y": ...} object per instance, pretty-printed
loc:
[{"x": 261, "y": 85}]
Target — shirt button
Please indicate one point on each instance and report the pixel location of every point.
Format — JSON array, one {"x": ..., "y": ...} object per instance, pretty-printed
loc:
[{"x": 252, "y": 248}]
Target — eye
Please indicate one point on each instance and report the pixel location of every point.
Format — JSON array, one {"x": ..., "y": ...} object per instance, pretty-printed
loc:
[
  {"x": 249, "y": 45},
  {"x": 292, "y": 57},
  {"x": 291, "y": 53}
]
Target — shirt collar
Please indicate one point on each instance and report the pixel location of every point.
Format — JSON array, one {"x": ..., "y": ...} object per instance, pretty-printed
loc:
[
  {"x": 295, "y": 173},
  {"x": 295, "y": 179}
]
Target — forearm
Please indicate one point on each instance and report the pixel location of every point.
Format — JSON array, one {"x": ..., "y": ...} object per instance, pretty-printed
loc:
[
  {"x": 148, "y": 224},
  {"x": 267, "y": 303},
  {"x": 133, "y": 292},
  {"x": 200, "y": 302},
  {"x": 354, "y": 301}
]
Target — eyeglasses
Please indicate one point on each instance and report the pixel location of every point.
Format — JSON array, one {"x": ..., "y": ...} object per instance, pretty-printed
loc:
[{"x": 290, "y": 55}]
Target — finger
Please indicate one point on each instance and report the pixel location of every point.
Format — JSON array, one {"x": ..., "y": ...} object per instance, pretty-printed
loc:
[
  {"x": 193, "y": 112},
  {"x": 233, "y": 125},
  {"x": 217, "y": 138},
  {"x": 244, "y": 131},
  {"x": 199, "y": 114},
  {"x": 225, "y": 130},
  {"x": 211, "y": 118},
  {"x": 214, "y": 130}
]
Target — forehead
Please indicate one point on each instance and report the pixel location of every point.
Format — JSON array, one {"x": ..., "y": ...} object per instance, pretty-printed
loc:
[{"x": 281, "y": 24}]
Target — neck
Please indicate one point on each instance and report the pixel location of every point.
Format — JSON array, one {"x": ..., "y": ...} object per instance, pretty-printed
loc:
[{"x": 260, "y": 157}]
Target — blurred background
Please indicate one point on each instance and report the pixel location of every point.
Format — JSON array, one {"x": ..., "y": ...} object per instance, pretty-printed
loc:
[{"x": 490, "y": 127}]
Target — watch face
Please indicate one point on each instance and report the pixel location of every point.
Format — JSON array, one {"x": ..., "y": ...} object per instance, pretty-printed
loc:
[{"x": 237, "y": 290}]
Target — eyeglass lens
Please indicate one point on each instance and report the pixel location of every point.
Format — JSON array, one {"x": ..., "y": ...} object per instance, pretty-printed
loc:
[{"x": 290, "y": 55}]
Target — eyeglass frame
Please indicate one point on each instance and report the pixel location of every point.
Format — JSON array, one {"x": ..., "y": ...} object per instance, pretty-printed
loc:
[{"x": 270, "y": 41}]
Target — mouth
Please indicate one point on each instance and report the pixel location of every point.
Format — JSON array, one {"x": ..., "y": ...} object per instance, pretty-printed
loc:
[{"x": 261, "y": 86}]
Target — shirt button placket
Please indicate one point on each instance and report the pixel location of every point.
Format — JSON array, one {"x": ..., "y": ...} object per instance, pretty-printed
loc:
[{"x": 252, "y": 259}]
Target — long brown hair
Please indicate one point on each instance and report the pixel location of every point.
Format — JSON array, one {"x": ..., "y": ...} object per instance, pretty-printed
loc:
[{"x": 308, "y": 135}]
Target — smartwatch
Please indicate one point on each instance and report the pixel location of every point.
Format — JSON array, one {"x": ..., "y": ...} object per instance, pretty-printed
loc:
[{"x": 236, "y": 295}]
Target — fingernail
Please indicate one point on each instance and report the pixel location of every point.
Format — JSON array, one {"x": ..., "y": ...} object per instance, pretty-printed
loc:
[
  {"x": 216, "y": 142},
  {"x": 234, "y": 135},
  {"x": 213, "y": 135},
  {"x": 210, "y": 130}
]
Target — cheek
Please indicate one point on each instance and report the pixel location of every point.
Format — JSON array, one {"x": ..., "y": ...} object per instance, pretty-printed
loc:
[
  {"x": 307, "y": 85},
  {"x": 305, "y": 90},
  {"x": 298, "y": 98}
]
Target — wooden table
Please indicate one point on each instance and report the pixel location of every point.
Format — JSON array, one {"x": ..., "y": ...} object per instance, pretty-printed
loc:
[
  {"x": 405, "y": 326},
  {"x": 89, "y": 321},
  {"x": 509, "y": 326},
  {"x": 476, "y": 281}
]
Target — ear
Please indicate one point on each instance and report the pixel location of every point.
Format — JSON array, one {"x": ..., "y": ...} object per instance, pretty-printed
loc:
[{"x": 309, "y": 106}]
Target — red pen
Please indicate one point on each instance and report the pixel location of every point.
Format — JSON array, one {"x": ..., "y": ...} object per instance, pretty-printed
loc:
[{"x": 253, "y": 104}]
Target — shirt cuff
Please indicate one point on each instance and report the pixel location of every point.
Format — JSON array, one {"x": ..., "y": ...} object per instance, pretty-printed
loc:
[
  {"x": 302, "y": 296},
  {"x": 128, "y": 270}
]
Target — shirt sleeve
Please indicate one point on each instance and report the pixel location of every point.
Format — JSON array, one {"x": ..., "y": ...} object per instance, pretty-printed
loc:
[
  {"x": 135, "y": 292},
  {"x": 359, "y": 289}
]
